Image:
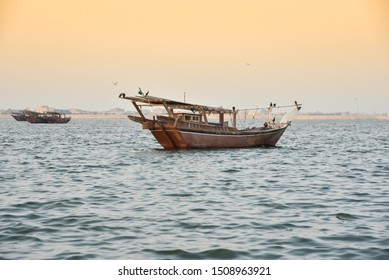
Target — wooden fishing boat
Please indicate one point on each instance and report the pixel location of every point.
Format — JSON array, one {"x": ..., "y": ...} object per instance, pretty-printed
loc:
[
  {"x": 46, "y": 117},
  {"x": 190, "y": 126}
]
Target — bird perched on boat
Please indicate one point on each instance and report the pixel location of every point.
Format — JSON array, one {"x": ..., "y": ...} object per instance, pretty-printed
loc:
[
  {"x": 296, "y": 103},
  {"x": 274, "y": 119},
  {"x": 271, "y": 104},
  {"x": 140, "y": 92},
  {"x": 122, "y": 95}
]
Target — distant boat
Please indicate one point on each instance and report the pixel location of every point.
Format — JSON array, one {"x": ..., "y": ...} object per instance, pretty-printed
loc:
[
  {"x": 46, "y": 117},
  {"x": 186, "y": 126}
]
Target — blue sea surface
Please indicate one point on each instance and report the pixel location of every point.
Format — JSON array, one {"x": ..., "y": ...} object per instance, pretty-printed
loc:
[{"x": 105, "y": 189}]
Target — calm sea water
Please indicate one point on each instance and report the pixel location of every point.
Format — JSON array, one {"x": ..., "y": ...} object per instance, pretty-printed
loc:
[{"x": 104, "y": 189}]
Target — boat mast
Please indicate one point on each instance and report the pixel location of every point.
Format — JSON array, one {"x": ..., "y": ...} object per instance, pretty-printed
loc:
[
  {"x": 234, "y": 113},
  {"x": 205, "y": 116},
  {"x": 221, "y": 118}
]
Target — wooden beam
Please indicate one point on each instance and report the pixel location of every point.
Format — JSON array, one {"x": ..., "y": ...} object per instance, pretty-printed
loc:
[
  {"x": 167, "y": 136},
  {"x": 139, "y": 110},
  {"x": 168, "y": 109},
  {"x": 221, "y": 117}
]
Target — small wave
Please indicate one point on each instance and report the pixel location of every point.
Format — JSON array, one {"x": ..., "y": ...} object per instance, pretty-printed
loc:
[
  {"x": 223, "y": 254},
  {"x": 179, "y": 194},
  {"x": 121, "y": 238},
  {"x": 174, "y": 254},
  {"x": 307, "y": 252},
  {"x": 21, "y": 237},
  {"x": 188, "y": 225},
  {"x": 216, "y": 254},
  {"x": 345, "y": 217},
  {"x": 75, "y": 256},
  {"x": 199, "y": 210},
  {"x": 231, "y": 170},
  {"x": 286, "y": 226},
  {"x": 350, "y": 238}
]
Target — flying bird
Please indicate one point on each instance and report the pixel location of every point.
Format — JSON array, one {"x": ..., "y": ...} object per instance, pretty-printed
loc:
[{"x": 115, "y": 83}]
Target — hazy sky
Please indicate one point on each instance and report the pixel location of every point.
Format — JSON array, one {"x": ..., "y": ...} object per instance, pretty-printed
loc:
[{"x": 330, "y": 55}]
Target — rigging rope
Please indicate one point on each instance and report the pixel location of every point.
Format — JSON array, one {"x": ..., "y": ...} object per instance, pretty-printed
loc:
[{"x": 266, "y": 108}]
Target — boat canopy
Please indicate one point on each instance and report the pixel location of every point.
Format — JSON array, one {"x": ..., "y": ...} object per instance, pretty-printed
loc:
[{"x": 167, "y": 103}]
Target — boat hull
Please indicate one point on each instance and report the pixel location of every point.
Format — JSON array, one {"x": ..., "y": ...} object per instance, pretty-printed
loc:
[
  {"x": 174, "y": 138},
  {"x": 42, "y": 120},
  {"x": 47, "y": 119},
  {"x": 19, "y": 117}
]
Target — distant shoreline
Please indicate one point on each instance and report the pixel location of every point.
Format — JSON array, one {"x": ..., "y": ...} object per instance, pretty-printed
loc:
[
  {"x": 300, "y": 117},
  {"x": 343, "y": 117},
  {"x": 82, "y": 116}
]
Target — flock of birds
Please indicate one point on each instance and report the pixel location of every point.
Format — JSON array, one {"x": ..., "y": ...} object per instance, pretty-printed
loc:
[{"x": 275, "y": 105}]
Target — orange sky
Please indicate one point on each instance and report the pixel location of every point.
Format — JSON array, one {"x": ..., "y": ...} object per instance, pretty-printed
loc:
[{"x": 330, "y": 55}]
